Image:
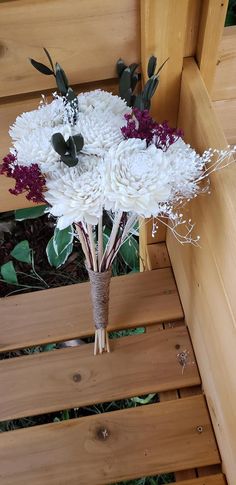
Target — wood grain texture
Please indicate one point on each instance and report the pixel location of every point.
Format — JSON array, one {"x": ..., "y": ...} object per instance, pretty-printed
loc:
[
  {"x": 64, "y": 313},
  {"x": 65, "y": 379},
  {"x": 224, "y": 86},
  {"x": 157, "y": 256},
  {"x": 205, "y": 276},
  {"x": 145, "y": 440},
  {"x": 192, "y": 27},
  {"x": 210, "y": 32},
  {"x": 86, "y": 38},
  {"x": 226, "y": 112},
  {"x": 218, "y": 479},
  {"x": 10, "y": 108},
  {"x": 163, "y": 33}
]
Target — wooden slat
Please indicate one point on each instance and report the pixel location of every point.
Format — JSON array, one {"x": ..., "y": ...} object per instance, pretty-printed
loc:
[
  {"x": 86, "y": 38},
  {"x": 226, "y": 112},
  {"x": 65, "y": 313},
  {"x": 10, "y": 108},
  {"x": 212, "y": 480},
  {"x": 206, "y": 276},
  {"x": 192, "y": 26},
  {"x": 69, "y": 378},
  {"x": 157, "y": 256},
  {"x": 210, "y": 32},
  {"x": 163, "y": 32},
  {"x": 224, "y": 86},
  {"x": 110, "y": 447}
]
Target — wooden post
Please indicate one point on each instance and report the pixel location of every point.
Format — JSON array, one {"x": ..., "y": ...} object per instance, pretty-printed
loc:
[{"x": 210, "y": 33}]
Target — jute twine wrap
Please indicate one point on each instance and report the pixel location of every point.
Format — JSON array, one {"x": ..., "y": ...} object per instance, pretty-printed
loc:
[{"x": 100, "y": 284}]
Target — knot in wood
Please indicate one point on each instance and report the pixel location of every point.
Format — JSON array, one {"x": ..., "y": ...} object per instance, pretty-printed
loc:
[
  {"x": 77, "y": 377},
  {"x": 102, "y": 434}
]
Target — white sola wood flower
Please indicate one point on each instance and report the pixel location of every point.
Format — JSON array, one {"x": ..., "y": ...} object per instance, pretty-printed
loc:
[
  {"x": 136, "y": 178},
  {"x": 76, "y": 194},
  {"x": 102, "y": 101},
  {"x": 47, "y": 115},
  {"x": 100, "y": 130}
]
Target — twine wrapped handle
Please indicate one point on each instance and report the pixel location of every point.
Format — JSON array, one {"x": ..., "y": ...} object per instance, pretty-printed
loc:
[{"x": 100, "y": 286}]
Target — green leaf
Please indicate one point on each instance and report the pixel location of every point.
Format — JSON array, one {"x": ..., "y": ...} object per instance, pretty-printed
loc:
[
  {"x": 125, "y": 91},
  {"x": 41, "y": 67},
  {"x": 53, "y": 259},
  {"x": 22, "y": 252},
  {"x": 69, "y": 160},
  {"x": 62, "y": 238},
  {"x": 78, "y": 141},
  {"x": 146, "y": 400},
  {"x": 151, "y": 66},
  {"x": 62, "y": 81},
  {"x": 8, "y": 273},
  {"x": 150, "y": 88},
  {"x": 129, "y": 252},
  {"x": 120, "y": 67},
  {"x": 49, "y": 58},
  {"x": 161, "y": 66},
  {"x": 30, "y": 213},
  {"x": 133, "y": 68},
  {"x": 59, "y": 144}
]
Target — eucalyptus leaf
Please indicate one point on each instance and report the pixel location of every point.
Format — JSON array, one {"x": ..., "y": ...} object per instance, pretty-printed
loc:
[
  {"x": 76, "y": 141},
  {"x": 120, "y": 67},
  {"x": 30, "y": 213},
  {"x": 151, "y": 66},
  {"x": 59, "y": 144},
  {"x": 22, "y": 252},
  {"x": 134, "y": 81},
  {"x": 69, "y": 160},
  {"x": 8, "y": 273},
  {"x": 133, "y": 68},
  {"x": 161, "y": 66},
  {"x": 41, "y": 67},
  {"x": 62, "y": 81},
  {"x": 49, "y": 58}
]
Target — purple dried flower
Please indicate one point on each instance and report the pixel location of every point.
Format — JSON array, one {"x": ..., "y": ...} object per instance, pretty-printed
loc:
[
  {"x": 141, "y": 125},
  {"x": 28, "y": 179}
]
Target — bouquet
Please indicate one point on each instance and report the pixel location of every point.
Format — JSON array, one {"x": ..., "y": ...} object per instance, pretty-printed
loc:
[{"x": 97, "y": 154}]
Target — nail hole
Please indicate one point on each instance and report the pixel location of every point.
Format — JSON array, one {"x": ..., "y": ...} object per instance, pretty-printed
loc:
[
  {"x": 177, "y": 346},
  {"x": 199, "y": 429}
]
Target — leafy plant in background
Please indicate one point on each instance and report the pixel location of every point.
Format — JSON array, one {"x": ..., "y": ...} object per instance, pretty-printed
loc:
[
  {"x": 231, "y": 14},
  {"x": 23, "y": 254}
]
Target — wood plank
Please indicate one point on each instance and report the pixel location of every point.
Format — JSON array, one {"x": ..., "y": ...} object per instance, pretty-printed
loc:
[
  {"x": 224, "y": 86},
  {"x": 205, "y": 276},
  {"x": 145, "y": 440},
  {"x": 192, "y": 26},
  {"x": 10, "y": 108},
  {"x": 226, "y": 112},
  {"x": 212, "y": 480},
  {"x": 86, "y": 38},
  {"x": 163, "y": 33},
  {"x": 146, "y": 237},
  {"x": 60, "y": 314},
  {"x": 157, "y": 256},
  {"x": 213, "y": 14},
  {"x": 139, "y": 365}
]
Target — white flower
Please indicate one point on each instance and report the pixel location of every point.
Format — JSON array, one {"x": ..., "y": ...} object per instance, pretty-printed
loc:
[
  {"x": 36, "y": 147},
  {"x": 100, "y": 130},
  {"x": 184, "y": 168},
  {"x": 47, "y": 115},
  {"x": 136, "y": 178},
  {"x": 102, "y": 101},
  {"x": 76, "y": 196}
]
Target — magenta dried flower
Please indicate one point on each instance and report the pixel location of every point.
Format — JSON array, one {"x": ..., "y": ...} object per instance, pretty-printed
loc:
[
  {"x": 28, "y": 178},
  {"x": 141, "y": 125}
]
